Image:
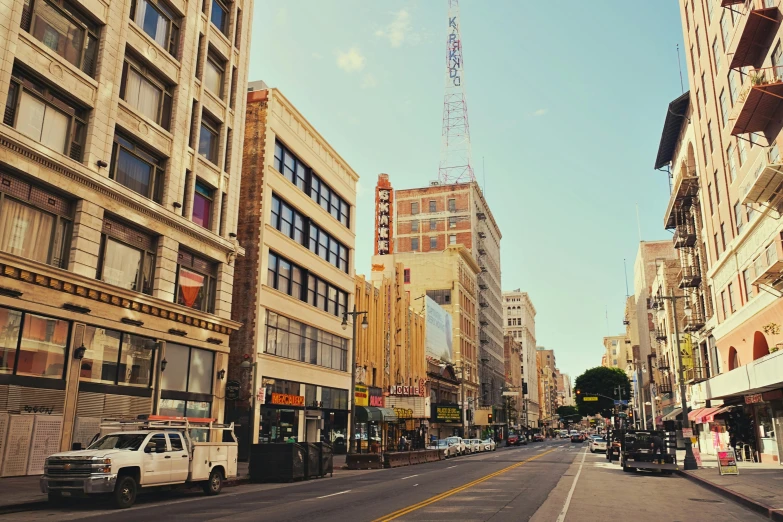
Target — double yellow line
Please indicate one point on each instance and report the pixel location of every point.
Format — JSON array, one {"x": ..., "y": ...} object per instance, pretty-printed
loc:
[{"x": 436, "y": 498}]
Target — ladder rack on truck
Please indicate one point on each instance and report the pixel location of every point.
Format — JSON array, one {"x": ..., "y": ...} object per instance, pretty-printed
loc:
[{"x": 164, "y": 422}]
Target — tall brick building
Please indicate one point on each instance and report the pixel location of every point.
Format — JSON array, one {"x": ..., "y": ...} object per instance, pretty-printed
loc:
[
  {"x": 119, "y": 180},
  {"x": 296, "y": 282},
  {"x": 434, "y": 217}
]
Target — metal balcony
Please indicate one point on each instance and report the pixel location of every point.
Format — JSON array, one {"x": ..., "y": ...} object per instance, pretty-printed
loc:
[
  {"x": 690, "y": 277},
  {"x": 664, "y": 387},
  {"x": 482, "y": 235},
  {"x": 759, "y": 20},
  {"x": 760, "y": 98},
  {"x": 483, "y": 286},
  {"x": 695, "y": 322},
  {"x": 696, "y": 374},
  {"x": 684, "y": 236},
  {"x": 729, "y": 3},
  {"x": 663, "y": 364},
  {"x": 684, "y": 189},
  {"x": 764, "y": 182},
  {"x": 483, "y": 268},
  {"x": 483, "y": 304},
  {"x": 484, "y": 339},
  {"x": 769, "y": 267}
]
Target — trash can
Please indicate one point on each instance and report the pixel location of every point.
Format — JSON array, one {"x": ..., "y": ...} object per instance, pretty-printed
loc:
[
  {"x": 313, "y": 460},
  {"x": 327, "y": 458},
  {"x": 283, "y": 462}
]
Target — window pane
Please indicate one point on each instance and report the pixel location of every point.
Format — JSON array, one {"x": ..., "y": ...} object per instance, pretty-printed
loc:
[
  {"x": 100, "y": 360},
  {"x": 55, "y": 129},
  {"x": 201, "y": 362},
  {"x": 152, "y": 22},
  {"x": 25, "y": 231},
  {"x": 172, "y": 407},
  {"x": 143, "y": 95},
  {"x": 213, "y": 77},
  {"x": 202, "y": 205},
  {"x": 133, "y": 172},
  {"x": 283, "y": 275},
  {"x": 10, "y": 322},
  {"x": 42, "y": 351},
  {"x": 31, "y": 116},
  {"x": 121, "y": 264},
  {"x": 207, "y": 143},
  {"x": 191, "y": 289},
  {"x": 176, "y": 442},
  {"x": 136, "y": 360},
  {"x": 271, "y": 270},
  {"x": 219, "y": 16},
  {"x": 58, "y": 33},
  {"x": 175, "y": 377}
]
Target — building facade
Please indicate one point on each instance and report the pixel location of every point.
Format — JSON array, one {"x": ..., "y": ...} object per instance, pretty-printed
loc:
[
  {"x": 519, "y": 321},
  {"x": 432, "y": 218},
  {"x": 547, "y": 386},
  {"x": 512, "y": 353},
  {"x": 618, "y": 352},
  {"x": 120, "y": 159},
  {"x": 298, "y": 208}
]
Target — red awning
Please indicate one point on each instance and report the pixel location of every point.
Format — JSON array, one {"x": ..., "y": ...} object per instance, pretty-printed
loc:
[
  {"x": 711, "y": 416},
  {"x": 703, "y": 415},
  {"x": 695, "y": 413}
]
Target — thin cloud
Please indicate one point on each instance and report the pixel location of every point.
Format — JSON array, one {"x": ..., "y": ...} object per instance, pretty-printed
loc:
[
  {"x": 398, "y": 30},
  {"x": 369, "y": 81},
  {"x": 540, "y": 112},
  {"x": 317, "y": 56},
  {"x": 350, "y": 61}
]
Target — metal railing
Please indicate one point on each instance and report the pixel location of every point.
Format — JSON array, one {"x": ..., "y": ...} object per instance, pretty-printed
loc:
[{"x": 752, "y": 78}]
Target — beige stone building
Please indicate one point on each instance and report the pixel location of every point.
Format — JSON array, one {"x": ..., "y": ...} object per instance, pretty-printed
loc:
[
  {"x": 298, "y": 208},
  {"x": 449, "y": 278},
  {"x": 120, "y": 165},
  {"x": 618, "y": 351},
  {"x": 546, "y": 365},
  {"x": 519, "y": 321}
]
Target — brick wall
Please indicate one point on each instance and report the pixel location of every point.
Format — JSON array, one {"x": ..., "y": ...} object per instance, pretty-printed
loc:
[{"x": 246, "y": 283}]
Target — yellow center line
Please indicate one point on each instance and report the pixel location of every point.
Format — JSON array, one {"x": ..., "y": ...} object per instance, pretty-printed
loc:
[{"x": 441, "y": 496}]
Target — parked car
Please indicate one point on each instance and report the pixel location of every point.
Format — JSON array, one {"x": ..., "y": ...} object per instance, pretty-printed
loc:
[
  {"x": 479, "y": 444},
  {"x": 472, "y": 445},
  {"x": 512, "y": 440},
  {"x": 577, "y": 437},
  {"x": 538, "y": 437},
  {"x": 449, "y": 450},
  {"x": 459, "y": 443},
  {"x": 339, "y": 446},
  {"x": 597, "y": 444},
  {"x": 489, "y": 444}
]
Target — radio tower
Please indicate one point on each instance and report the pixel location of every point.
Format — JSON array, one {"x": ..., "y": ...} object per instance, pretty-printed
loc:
[{"x": 455, "y": 164}]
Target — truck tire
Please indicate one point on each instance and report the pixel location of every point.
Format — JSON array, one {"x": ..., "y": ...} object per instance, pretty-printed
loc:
[
  {"x": 124, "y": 495},
  {"x": 214, "y": 483}
]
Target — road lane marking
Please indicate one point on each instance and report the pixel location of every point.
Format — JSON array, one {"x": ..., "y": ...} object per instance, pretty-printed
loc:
[
  {"x": 454, "y": 466},
  {"x": 334, "y": 494},
  {"x": 411, "y": 476},
  {"x": 424, "y": 503},
  {"x": 563, "y": 513}
]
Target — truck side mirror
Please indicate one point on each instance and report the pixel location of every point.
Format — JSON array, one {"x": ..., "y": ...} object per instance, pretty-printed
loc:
[
  {"x": 76, "y": 446},
  {"x": 150, "y": 447}
]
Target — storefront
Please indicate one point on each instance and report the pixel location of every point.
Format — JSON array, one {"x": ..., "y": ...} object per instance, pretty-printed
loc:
[
  {"x": 373, "y": 430},
  {"x": 445, "y": 420},
  {"x": 412, "y": 409}
]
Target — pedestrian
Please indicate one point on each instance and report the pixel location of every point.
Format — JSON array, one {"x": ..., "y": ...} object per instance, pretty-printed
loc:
[
  {"x": 401, "y": 444},
  {"x": 656, "y": 444}
]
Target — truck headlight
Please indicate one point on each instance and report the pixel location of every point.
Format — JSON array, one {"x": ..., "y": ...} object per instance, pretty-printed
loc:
[{"x": 106, "y": 465}]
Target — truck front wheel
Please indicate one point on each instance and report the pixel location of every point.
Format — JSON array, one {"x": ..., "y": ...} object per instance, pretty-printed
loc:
[
  {"x": 214, "y": 484},
  {"x": 125, "y": 492}
]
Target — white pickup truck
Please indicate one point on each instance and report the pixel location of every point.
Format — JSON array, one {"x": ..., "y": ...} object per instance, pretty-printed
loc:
[{"x": 157, "y": 451}]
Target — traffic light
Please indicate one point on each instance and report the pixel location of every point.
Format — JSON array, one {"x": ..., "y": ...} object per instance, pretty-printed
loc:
[
  {"x": 578, "y": 392},
  {"x": 489, "y": 418}
]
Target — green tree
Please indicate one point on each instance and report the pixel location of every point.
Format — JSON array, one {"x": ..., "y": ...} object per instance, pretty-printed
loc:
[
  {"x": 601, "y": 382},
  {"x": 568, "y": 413}
]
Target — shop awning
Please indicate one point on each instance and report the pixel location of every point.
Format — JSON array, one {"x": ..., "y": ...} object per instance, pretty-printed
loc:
[
  {"x": 704, "y": 415},
  {"x": 718, "y": 411},
  {"x": 373, "y": 414},
  {"x": 672, "y": 415},
  {"x": 694, "y": 415}
]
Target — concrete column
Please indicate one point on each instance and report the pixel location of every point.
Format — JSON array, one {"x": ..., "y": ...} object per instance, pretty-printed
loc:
[
  {"x": 86, "y": 239},
  {"x": 224, "y": 290},
  {"x": 71, "y": 389},
  {"x": 165, "y": 269}
]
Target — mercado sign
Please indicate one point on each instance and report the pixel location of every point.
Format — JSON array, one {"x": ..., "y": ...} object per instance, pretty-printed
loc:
[
  {"x": 446, "y": 413},
  {"x": 284, "y": 399},
  {"x": 360, "y": 395}
]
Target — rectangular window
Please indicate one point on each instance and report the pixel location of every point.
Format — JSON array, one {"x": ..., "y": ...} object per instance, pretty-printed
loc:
[
  {"x": 711, "y": 136},
  {"x": 294, "y": 340},
  {"x": 42, "y": 346},
  {"x": 777, "y": 56},
  {"x": 214, "y": 73},
  {"x": 414, "y": 207},
  {"x": 202, "y": 205},
  {"x": 209, "y": 138},
  {"x": 414, "y": 226},
  {"x": 238, "y": 28},
  {"x": 743, "y": 153},
  {"x": 452, "y": 205},
  {"x": 712, "y": 203},
  {"x": 723, "y": 236},
  {"x": 219, "y": 16},
  {"x": 724, "y": 107},
  {"x": 738, "y": 216},
  {"x": 159, "y": 22},
  {"x": 732, "y": 162},
  {"x": 433, "y": 206},
  {"x": 704, "y": 87},
  {"x": 137, "y": 169},
  {"x": 452, "y": 222},
  {"x": 127, "y": 257},
  {"x": 733, "y": 87},
  {"x": 717, "y": 245},
  {"x": 716, "y": 54},
  {"x": 433, "y": 224},
  {"x": 433, "y": 242},
  {"x": 453, "y": 239},
  {"x": 698, "y": 103},
  {"x": 233, "y": 94},
  {"x": 710, "y": 5},
  {"x": 34, "y": 223},
  {"x": 191, "y": 369},
  {"x": 704, "y": 148},
  {"x": 717, "y": 187},
  {"x": 414, "y": 244},
  {"x": 195, "y": 286},
  {"x": 291, "y": 279},
  {"x": 698, "y": 42},
  {"x": 407, "y": 275},
  {"x": 725, "y": 304},
  {"x": 44, "y": 115},
  {"x": 117, "y": 358},
  {"x": 746, "y": 278},
  {"x": 732, "y": 298},
  {"x": 146, "y": 92},
  {"x": 61, "y": 27},
  {"x": 724, "y": 29}
]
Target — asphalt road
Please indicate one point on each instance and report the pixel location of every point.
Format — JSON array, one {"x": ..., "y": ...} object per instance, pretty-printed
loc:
[{"x": 508, "y": 484}]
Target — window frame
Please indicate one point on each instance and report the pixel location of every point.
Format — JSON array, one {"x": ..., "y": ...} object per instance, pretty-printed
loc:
[
  {"x": 172, "y": 29},
  {"x": 117, "y": 362},
  {"x": 220, "y": 64},
  {"x": 210, "y": 279},
  {"x": 148, "y": 251},
  {"x": 226, "y": 9},
  {"x": 19, "y": 340},
  {"x": 163, "y": 117},
  {"x": 210, "y": 198},
  {"x": 141, "y": 153},
  {"x": 415, "y": 244},
  {"x": 313, "y": 289},
  {"x": 212, "y": 126}
]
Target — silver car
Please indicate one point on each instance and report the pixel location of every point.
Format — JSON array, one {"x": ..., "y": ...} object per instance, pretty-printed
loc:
[
  {"x": 472, "y": 445},
  {"x": 459, "y": 443},
  {"x": 449, "y": 450},
  {"x": 488, "y": 444},
  {"x": 597, "y": 444}
]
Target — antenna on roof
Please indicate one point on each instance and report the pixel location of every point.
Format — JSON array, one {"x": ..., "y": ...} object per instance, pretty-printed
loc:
[
  {"x": 679, "y": 65},
  {"x": 625, "y": 270}
]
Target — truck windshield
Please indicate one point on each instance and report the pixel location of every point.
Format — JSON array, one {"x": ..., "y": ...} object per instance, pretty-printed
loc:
[{"x": 120, "y": 441}]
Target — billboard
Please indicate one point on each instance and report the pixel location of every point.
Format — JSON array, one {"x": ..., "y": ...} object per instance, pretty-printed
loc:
[
  {"x": 439, "y": 334},
  {"x": 384, "y": 211}
]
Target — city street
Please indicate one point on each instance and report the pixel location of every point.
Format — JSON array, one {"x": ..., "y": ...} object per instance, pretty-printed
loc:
[{"x": 532, "y": 482}]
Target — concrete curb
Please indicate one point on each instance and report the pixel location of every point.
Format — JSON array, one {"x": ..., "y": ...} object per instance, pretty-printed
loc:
[{"x": 769, "y": 512}]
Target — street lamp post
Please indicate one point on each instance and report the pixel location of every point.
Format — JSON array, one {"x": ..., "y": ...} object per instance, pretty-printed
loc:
[
  {"x": 352, "y": 424},
  {"x": 690, "y": 460}
]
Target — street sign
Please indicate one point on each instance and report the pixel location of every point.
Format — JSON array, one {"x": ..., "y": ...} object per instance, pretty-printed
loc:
[
  {"x": 510, "y": 394},
  {"x": 621, "y": 403},
  {"x": 590, "y": 399},
  {"x": 727, "y": 463}
]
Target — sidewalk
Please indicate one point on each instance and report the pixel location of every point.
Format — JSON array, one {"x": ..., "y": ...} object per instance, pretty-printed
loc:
[{"x": 757, "y": 486}]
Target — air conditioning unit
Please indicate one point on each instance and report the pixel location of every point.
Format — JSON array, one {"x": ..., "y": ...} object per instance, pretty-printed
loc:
[{"x": 434, "y": 183}]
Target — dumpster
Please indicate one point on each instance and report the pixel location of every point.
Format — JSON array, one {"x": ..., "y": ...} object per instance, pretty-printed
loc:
[
  {"x": 327, "y": 458},
  {"x": 312, "y": 460},
  {"x": 283, "y": 462}
]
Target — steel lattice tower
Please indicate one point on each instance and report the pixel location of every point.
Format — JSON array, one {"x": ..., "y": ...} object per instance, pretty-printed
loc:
[{"x": 455, "y": 164}]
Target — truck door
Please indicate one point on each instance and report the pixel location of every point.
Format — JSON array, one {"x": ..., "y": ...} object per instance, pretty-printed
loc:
[
  {"x": 157, "y": 466},
  {"x": 180, "y": 461}
]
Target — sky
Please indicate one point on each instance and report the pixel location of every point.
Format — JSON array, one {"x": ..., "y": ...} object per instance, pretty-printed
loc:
[{"x": 566, "y": 104}]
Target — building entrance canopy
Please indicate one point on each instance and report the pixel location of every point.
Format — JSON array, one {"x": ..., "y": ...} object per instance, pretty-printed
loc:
[{"x": 373, "y": 414}]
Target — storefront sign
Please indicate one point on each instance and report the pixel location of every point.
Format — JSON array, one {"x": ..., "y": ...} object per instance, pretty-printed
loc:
[
  {"x": 697, "y": 455},
  {"x": 261, "y": 396},
  {"x": 361, "y": 395},
  {"x": 284, "y": 399},
  {"x": 727, "y": 463},
  {"x": 232, "y": 390},
  {"x": 384, "y": 209},
  {"x": 407, "y": 391},
  {"x": 403, "y": 413},
  {"x": 687, "y": 433},
  {"x": 753, "y": 399},
  {"x": 446, "y": 413},
  {"x": 686, "y": 351},
  {"x": 376, "y": 397}
]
